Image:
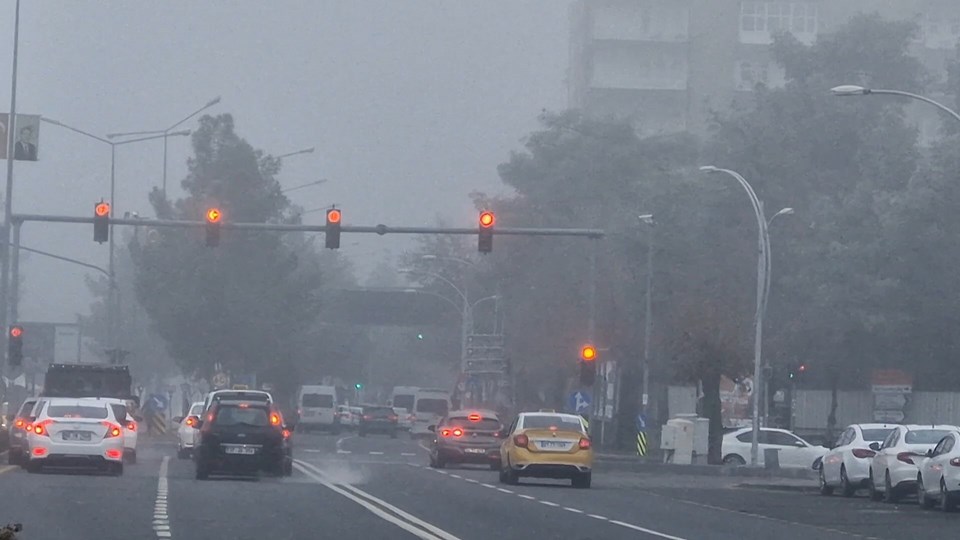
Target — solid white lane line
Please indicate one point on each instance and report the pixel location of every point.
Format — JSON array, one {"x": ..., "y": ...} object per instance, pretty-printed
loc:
[
  {"x": 548, "y": 503},
  {"x": 413, "y": 524},
  {"x": 647, "y": 531},
  {"x": 161, "y": 519}
]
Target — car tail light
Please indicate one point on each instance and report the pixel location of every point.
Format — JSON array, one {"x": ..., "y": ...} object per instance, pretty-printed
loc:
[
  {"x": 113, "y": 430},
  {"x": 955, "y": 462},
  {"x": 113, "y": 453},
  {"x": 367, "y": 417},
  {"x": 131, "y": 426},
  {"x": 521, "y": 440},
  {"x": 863, "y": 453},
  {"x": 474, "y": 417},
  {"x": 457, "y": 432},
  {"x": 286, "y": 434},
  {"x": 906, "y": 457},
  {"x": 584, "y": 443},
  {"x": 20, "y": 423},
  {"x": 445, "y": 432},
  {"x": 191, "y": 422},
  {"x": 41, "y": 428},
  {"x": 274, "y": 419},
  {"x": 393, "y": 418},
  {"x": 39, "y": 451}
]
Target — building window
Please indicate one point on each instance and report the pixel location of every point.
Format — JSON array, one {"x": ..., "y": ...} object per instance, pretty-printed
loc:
[{"x": 760, "y": 20}]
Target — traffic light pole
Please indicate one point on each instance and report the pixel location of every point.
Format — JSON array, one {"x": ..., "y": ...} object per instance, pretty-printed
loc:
[{"x": 15, "y": 273}]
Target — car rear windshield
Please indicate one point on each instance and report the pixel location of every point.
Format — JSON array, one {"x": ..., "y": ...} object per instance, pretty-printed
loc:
[
  {"x": 77, "y": 411},
  {"x": 924, "y": 436},
  {"x": 230, "y": 415},
  {"x": 379, "y": 412},
  {"x": 484, "y": 424},
  {"x": 26, "y": 408},
  {"x": 403, "y": 401},
  {"x": 435, "y": 406},
  {"x": 323, "y": 401},
  {"x": 548, "y": 421},
  {"x": 875, "y": 434},
  {"x": 120, "y": 411}
]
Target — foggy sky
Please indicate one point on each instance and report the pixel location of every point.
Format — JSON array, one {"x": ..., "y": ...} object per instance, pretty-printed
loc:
[{"x": 411, "y": 104}]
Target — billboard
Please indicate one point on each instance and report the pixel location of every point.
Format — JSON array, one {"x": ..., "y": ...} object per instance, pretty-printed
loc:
[{"x": 25, "y": 134}]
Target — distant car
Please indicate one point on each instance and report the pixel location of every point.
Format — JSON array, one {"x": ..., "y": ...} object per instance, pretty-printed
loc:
[
  {"x": 404, "y": 418},
  {"x": 429, "y": 406},
  {"x": 893, "y": 471},
  {"x": 317, "y": 408},
  {"x": 248, "y": 395},
  {"x": 75, "y": 432},
  {"x": 547, "y": 445},
  {"x": 187, "y": 430},
  {"x": 355, "y": 414},
  {"x": 939, "y": 477},
  {"x": 377, "y": 419},
  {"x": 793, "y": 452},
  {"x": 17, "y": 433},
  {"x": 244, "y": 437},
  {"x": 847, "y": 464},
  {"x": 467, "y": 437}
]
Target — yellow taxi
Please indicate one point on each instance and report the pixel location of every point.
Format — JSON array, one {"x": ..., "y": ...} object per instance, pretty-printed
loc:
[{"x": 547, "y": 444}]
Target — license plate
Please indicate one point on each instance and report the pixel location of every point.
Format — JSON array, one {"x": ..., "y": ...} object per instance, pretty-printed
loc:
[
  {"x": 475, "y": 451},
  {"x": 76, "y": 435},
  {"x": 241, "y": 450},
  {"x": 552, "y": 445}
]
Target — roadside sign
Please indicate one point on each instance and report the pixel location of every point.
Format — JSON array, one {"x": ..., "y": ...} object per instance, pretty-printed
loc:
[
  {"x": 579, "y": 401},
  {"x": 220, "y": 380}
]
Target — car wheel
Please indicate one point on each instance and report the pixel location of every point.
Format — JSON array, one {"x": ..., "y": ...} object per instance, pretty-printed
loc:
[
  {"x": 581, "y": 481},
  {"x": 825, "y": 489},
  {"x": 734, "y": 460},
  {"x": 889, "y": 493},
  {"x": 947, "y": 503},
  {"x": 33, "y": 467},
  {"x": 846, "y": 488},
  {"x": 871, "y": 485},
  {"x": 922, "y": 499},
  {"x": 202, "y": 472},
  {"x": 441, "y": 463},
  {"x": 510, "y": 476}
]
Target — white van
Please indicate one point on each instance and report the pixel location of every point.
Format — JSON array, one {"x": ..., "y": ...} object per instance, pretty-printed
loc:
[
  {"x": 317, "y": 408},
  {"x": 429, "y": 406},
  {"x": 403, "y": 397}
]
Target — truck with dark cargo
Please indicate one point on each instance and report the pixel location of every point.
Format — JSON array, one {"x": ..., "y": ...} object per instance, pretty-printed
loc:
[{"x": 88, "y": 380}]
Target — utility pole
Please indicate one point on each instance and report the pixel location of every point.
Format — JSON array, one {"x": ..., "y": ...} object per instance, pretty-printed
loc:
[{"x": 648, "y": 317}]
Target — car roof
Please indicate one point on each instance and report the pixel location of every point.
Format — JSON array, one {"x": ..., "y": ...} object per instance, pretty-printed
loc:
[{"x": 874, "y": 426}]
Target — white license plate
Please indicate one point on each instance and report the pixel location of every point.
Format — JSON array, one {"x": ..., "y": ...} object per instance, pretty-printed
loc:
[
  {"x": 552, "y": 445},
  {"x": 76, "y": 436},
  {"x": 475, "y": 451},
  {"x": 240, "y": 450}
]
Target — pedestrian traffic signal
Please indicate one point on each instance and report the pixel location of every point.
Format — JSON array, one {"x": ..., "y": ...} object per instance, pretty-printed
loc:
[
  {"x": 795, "y": 371},
  {"x": 15, "y": 346},
  {"x": 101, "y": 222},
  {"x": 332, "y": 231},
  {"x": 213, "y": 216},
  {"x": 485, "y": 237}
]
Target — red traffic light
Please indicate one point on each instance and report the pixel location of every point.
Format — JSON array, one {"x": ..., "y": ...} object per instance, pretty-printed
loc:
[
  {"x": 333, "y": 216},
  {"x": 102, "y": 209},
  {"x": 588, "y": 353},
  {"x": 487, "y": 219},
  {"x": 802, "y": 368},
  {"x": 214, "y": 215},
  {"x": 16, "y": 331}
]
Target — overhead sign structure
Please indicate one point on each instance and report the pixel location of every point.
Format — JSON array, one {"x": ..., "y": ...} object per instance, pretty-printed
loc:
[{"x": 26, "y": 136}]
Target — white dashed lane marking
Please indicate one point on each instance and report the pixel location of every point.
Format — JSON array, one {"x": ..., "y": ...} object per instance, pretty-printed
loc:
[{"x": 161, "y": 517}]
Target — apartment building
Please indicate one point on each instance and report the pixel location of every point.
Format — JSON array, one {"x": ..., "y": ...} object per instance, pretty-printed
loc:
[{"x": 667, "y": 65}]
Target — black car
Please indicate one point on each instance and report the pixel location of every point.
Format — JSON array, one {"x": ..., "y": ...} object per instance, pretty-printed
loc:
[
  {"x": 377, "y": 419},
  {"x": 467, "y": 437},
  {"x": 243, "y": 437}
]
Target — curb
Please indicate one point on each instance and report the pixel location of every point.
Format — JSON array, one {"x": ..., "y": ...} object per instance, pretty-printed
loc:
[
  {"x": 620, "y": 463},
  {"x": 780, "y": 487}
]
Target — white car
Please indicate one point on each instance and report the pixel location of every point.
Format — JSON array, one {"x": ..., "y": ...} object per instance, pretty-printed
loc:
[
  {"x": 893, "y": 472},
  {"x": 792, "y": 451},
  {"x": 404, "y": 418},
  {"x": 847, "y": 465},
  {"x": 187, "y": 432},
  {"x": 75, "y": 432},
  {"x": 355, "y": 414},
  {"x": 129, "y": 424},
  {"x": 939, "y": 478}
]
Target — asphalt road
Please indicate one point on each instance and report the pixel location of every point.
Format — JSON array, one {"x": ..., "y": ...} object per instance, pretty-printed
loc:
[{"x": 347, "y": 487}]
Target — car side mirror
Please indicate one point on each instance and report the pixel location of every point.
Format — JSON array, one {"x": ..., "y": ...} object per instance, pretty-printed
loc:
[
  {"x": 177, "y": 419},
  {"x": 875, "y": 446},
  {"x": 800, "y": 444},
  {"x": 929, "y": 453},
  {"x": 432, "y": 428}
]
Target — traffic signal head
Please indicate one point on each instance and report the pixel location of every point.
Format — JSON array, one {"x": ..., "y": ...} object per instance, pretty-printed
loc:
[
  {"x": 588, "y": 353},
  {"x": 358, "y": 386},
  {"x": 332, "y": 230},
  {"x": 101, "y": 222},
  {"x": 213, "y": 217},
  {"x": 15, "y": 346},
  {"x": 802, "y": 368},
  {"x": 588, "y": 373},
  {"x": 485, "y": 237}
]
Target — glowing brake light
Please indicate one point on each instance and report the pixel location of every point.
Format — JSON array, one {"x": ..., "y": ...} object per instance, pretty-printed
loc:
[
  {"x": 19, "y": 423},
  {"x": 457, "y": 432},
  {"x": 191, "y": 421},
  {"x": 113, "y": 453},
  {"x": 474, "y": 417},
  {"x": 274, "y": 419},
  {"x": 584, "y": 443},
  {"x": 863, "y": 453},
  {"x": 131, "y": 426},
  {"x": 39, "y": 451},
  {"x": 445, "y": 432},
  {"x": 521, "y": 440},
  {"x": 113, "y": 430},
  {"x": 286, "y": 434},
  {"x": 955, "y": 462}
]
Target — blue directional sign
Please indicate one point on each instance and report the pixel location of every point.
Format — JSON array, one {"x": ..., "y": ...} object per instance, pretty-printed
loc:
[
  {"x": 579, "y": 401},
  {"x": 157, "y": 402}
]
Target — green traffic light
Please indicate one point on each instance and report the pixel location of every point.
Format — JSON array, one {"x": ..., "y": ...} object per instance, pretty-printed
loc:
[
  {"x": 419, "y": 336},
  {"x": 358, "y": 386}
]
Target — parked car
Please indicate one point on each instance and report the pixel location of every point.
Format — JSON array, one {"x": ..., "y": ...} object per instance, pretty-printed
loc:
[
  {"x": 893, "y": 471},
  {"x": 793, "y": 452},
  {"x": 939, "y": 478},
  {"x": 17, "y": 433},
  {"x": 847, "y": 464}
]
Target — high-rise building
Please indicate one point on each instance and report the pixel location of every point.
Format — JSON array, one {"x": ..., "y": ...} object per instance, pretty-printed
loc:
[{"x": 668, "y": 65}]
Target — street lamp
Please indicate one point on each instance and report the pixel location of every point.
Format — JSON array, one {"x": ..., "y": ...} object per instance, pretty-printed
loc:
[
  {"x": 114, "y": 308},
  {"x": 466, "y": 317},
  {"x": 166, "y": 133},
  {"x": 647, "y": 220},
  {"x": 762, "y": 265},
  {"x": 846, "y": 90}
]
